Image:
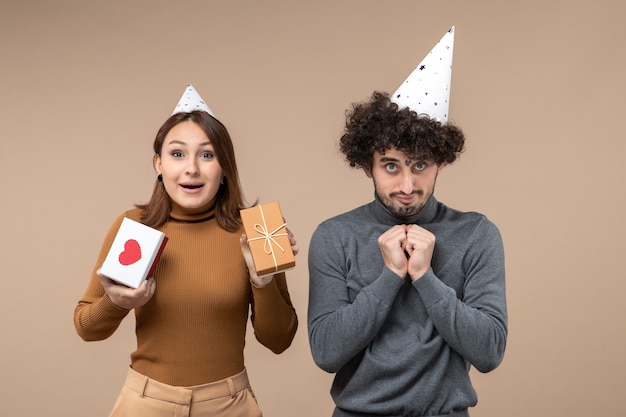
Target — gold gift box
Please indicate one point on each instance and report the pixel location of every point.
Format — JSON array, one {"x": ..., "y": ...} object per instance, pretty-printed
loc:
[{"x": 266, "y": 231}]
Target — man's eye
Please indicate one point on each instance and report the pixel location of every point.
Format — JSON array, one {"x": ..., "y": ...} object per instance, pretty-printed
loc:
[
  {"x": 390, "y": 167},
  {"x": 420, "y": 167}
]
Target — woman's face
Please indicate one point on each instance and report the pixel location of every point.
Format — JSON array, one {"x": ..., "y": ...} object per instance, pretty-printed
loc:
[{"x": 190, "y": 169}]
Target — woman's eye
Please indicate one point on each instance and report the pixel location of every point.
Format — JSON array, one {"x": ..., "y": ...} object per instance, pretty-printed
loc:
[
  {"x": 177, "y": 154},
  {"x": 207, "y": 155}
]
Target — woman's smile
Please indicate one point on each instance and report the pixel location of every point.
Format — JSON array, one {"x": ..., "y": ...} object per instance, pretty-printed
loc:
[{"x": 192, "y": 188}]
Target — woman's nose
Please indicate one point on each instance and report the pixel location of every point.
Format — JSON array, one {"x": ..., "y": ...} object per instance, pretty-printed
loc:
[{"x": 192, "y": 168}]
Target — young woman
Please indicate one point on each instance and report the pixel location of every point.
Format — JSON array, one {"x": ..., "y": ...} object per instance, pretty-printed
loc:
[{"x": 191, "y": 316}]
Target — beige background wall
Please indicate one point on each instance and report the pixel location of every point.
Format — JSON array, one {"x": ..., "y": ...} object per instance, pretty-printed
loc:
[{"x": 538, "y": 87}]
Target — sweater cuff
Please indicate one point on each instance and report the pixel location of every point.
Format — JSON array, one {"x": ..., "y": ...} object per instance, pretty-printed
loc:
[
  {"x": 265, "y": 288},
  {"x": 431, "y": 289},
  {"x": 112, "y": 309},
  {"x": 386, "y": 287}
]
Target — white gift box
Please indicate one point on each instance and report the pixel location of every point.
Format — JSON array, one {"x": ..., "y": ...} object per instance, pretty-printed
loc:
[{"x": 134, "y": 253}]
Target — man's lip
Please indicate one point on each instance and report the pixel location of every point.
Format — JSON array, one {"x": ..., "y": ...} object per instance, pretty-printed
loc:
[{"x": 405, "y": 198}]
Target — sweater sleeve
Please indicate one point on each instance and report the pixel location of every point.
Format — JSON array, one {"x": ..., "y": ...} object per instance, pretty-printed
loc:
[
  {"x": 273, "y": 316},
  {"x": 339, "y": 329},
  {"x": 476, "y": 325},
  {"x": 96, "y": 317}
]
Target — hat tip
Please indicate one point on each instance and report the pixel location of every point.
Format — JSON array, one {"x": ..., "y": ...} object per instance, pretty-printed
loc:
[
  {"x": 190, "y": 101},
  {"x": 427, "y": 89}
]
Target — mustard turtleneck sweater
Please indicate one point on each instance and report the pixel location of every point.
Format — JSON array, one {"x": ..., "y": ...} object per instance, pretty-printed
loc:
[{"x": 192, "y": 331}]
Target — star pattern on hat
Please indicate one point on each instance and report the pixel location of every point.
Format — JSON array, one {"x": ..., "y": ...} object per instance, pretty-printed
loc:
[
  {"x": 191, "y": 101},
  {"x": 427, "y": 89}
]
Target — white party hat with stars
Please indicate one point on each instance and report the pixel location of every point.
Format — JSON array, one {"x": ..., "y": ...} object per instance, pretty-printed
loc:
[
  {"x": 191, "y": 101},
  {"x": 427, "y": 88}
]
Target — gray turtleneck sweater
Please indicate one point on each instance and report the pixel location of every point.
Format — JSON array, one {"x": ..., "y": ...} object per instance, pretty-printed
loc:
[{"x": 403, "y": 348}]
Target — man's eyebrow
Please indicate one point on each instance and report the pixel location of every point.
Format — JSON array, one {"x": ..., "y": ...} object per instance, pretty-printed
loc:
[
  {"x": 388, "y": 159},
  {"x": 407, "y": 162}
]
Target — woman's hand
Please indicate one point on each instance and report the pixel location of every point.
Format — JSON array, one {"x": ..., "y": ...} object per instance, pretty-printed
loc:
[
  {"x": 247, "y": 255},
  {"x": 293, "y": 243},
  {"x": 126, "y": 297}
]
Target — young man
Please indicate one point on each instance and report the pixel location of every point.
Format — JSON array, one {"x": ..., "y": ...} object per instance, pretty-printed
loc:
[{"x": 405, "y": 293}]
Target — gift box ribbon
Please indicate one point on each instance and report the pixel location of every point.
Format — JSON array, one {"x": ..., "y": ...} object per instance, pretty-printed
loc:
[{"x": 269, "y": 237}]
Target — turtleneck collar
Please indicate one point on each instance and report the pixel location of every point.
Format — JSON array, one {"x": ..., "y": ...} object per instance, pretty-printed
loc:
[
  {"x": 424, "y": 216},
  {"x": 199, "y": 214}
]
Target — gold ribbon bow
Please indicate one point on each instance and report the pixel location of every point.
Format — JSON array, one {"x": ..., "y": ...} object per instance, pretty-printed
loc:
[{"x": 269, "y": 237}]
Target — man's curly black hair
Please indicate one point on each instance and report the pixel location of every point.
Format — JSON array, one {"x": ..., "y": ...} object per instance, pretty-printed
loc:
[{"x": 379, "y": 125}]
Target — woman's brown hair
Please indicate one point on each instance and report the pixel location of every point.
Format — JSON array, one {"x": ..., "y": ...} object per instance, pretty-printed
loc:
[{"x": 229, "y": 199}]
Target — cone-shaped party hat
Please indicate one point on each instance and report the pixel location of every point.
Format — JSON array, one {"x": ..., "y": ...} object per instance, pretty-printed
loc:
[
  {"x": 427, "y": 88},
  {"x": 191, "y": 101}
]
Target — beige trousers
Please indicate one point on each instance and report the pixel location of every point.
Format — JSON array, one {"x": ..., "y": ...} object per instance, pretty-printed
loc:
[{"x": 143, "y": 397}]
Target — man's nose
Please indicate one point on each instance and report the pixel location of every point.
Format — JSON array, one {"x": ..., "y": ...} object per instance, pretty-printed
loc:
[{"x": 406, "y": 186}]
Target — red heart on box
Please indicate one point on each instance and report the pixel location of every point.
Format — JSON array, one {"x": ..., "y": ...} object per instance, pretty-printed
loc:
[{"x": 131, "y": 253}]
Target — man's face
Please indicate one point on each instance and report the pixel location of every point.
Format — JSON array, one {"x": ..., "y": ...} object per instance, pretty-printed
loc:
[{"x": 402, "y": 184}]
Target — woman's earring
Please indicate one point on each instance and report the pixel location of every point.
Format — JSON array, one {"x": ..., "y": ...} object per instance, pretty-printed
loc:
[
  {"x": 222, "y": 181},
  {"x": 160, "y": 177}
]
